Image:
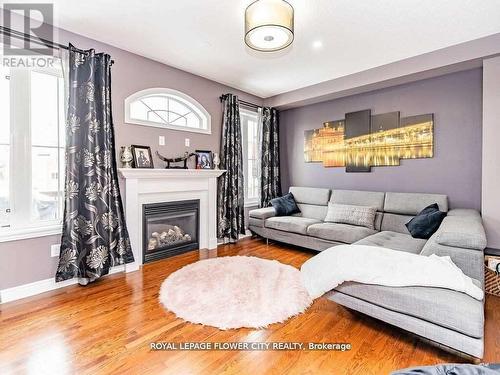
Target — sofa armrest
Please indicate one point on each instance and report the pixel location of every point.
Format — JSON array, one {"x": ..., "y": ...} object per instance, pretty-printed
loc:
[
  {"x": 462, "y": 228},
  {"x": 470, "y": 261},
  {"x": 262, "y": 213}
]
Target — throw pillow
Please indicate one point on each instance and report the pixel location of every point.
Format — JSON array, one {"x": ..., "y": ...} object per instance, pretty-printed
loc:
[
  {"x": 426, "y": 222},
  {"x": 349, "y": 214},
  {"x": 285, "y": 205}
]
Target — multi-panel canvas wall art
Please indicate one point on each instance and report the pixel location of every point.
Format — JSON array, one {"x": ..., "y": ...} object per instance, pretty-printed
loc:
[{"x": 362, "y": 140}]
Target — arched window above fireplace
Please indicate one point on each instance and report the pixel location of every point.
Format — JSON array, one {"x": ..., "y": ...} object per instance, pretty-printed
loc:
[{"x": 167, "y": 108}]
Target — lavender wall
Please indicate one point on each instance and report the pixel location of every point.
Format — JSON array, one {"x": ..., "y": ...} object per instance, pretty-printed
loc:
[
  {"x": 27, "y": 261},
  {"x": 455, "y": 170}
]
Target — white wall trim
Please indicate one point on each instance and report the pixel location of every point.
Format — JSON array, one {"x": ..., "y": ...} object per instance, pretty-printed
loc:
[
  {"x": 247, "y": 234},
  {"x": 490, "y": 199},
  {"x": 42, "y": 286},
  {"x": 251, "y": 203},
  {"x": 189, "y": 101},
  {"x": 9, "y": 234}
]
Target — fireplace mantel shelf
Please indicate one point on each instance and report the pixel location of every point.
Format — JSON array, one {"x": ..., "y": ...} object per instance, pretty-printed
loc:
[{"x": 137, "y": 173}]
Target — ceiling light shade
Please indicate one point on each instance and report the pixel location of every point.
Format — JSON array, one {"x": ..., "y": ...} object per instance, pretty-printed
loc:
[{"x": 269, "y": 25}]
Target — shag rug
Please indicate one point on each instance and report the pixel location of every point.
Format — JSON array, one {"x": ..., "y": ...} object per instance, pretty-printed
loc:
[{"x": 234, "y": 292}]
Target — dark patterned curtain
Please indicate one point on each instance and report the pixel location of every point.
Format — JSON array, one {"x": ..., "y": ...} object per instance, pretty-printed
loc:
[
  {"x": 94, "y": 237},
  {"x": 231, "y": 218},
  {"x": 270, "y": 182}
]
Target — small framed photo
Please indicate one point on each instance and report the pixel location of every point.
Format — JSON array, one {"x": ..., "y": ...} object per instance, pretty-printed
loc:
[
  {"x": 204, "y": 159},
  {"x": 142, "y": 156}
]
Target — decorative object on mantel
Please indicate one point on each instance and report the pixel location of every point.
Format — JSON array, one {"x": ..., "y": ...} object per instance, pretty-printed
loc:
[
  {"x": 204, "y": 159},
  {"x": 142, "y": 156},
  {"x": 361, "y": 140},
  {"x": 216, "y": 161},
  {"x": 234, "y": 292},
  {"x": 181, "y": 159},
  {"x": 126, "y": 157}
]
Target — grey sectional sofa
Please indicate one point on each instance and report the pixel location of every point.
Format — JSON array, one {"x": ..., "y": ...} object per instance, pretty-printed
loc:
[{"x": 452, "y": 319}]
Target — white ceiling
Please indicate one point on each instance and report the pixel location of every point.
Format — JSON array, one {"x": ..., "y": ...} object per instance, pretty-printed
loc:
[{"x": 205, "y": 37}]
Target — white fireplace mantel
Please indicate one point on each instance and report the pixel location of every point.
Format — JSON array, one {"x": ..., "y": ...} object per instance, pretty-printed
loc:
[
  {"x": 143, "y": 186},
  {"x": 148, "y": 173}
]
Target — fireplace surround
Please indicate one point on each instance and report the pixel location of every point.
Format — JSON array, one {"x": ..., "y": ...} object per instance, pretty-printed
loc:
[{"x": 150, "y": 186}]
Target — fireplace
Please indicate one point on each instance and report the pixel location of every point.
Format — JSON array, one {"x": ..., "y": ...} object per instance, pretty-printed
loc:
[{"x": 170, "y": 228}]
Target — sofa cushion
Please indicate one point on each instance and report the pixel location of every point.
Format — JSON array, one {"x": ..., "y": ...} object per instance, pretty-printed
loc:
[
  {"x": 413, "y": 203},
  {"x": 262, "y": 213},
  {"x": 426, "y": 223},
  {"x": 312, "y": 202},
  {"x": 395, "y": 223},
  {"x": 349, "y": 214},
  {"x": 312, "y": 211},
  {"x": 308, "y": 195},
  {"x": 444, "y": 307},
  {"x": 465, "y": 231},
  {"x": 293, "y": 224},
  {"x": 254, "y": 222},
  {"x": 285, "y": 205},
  {"x": 339, "y": 232},
  {"x": 359, "y": 198},
  {"x": 470, "y": 261},
  {"x": 395, "y": 241},
  {"x": 465, "y": 212},
  {"x": 378, "y": 220}
]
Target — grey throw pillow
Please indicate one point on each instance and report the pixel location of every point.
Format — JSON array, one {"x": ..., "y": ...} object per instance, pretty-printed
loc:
[{"x": 362, "y": 216}]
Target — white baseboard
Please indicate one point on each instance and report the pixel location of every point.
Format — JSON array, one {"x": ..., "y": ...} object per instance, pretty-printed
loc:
[
  {"x": 37, "y": 287},
  {"x": 240, "y": 237}
]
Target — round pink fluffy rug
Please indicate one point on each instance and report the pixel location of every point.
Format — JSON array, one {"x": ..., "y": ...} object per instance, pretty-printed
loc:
[{"x": 235, "y": 292}]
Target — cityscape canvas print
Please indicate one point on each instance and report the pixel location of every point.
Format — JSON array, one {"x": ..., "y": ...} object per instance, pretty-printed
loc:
[{"x": 362, "y": 140}]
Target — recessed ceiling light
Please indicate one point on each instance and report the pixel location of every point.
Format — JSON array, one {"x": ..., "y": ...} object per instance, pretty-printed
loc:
[{"x": 317, "y": 44}]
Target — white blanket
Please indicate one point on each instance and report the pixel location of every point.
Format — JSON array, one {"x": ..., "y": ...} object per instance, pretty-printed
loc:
[{"x": 381, "y": 266}]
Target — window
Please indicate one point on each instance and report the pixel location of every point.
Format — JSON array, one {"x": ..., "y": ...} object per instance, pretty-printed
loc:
[
  {"x": 251, "y": 155},
  {"x": 167, "y": 108},
  {"x": 31, "y": 151}
]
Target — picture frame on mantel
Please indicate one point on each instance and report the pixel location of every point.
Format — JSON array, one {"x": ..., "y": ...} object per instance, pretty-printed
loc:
[
  {"x": 143, "y": 157},
  {"x": 204, "y": 159}
]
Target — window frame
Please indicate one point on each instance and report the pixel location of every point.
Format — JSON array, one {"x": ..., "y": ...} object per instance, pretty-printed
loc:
[
  {"x": 179, "y": 96},
  {"x": 20, "y": 224},
  {"x": 253, "y": 202}
]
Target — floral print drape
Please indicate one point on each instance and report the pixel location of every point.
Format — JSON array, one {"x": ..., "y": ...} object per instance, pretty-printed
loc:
[
  {"x": 231, "y": 218},
  {"x": 270, "y": 182},
  {"x": 94, "y": 237}
]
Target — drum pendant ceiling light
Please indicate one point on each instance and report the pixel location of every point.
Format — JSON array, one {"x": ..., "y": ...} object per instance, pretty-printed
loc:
[{"x": 269, "y": 25}]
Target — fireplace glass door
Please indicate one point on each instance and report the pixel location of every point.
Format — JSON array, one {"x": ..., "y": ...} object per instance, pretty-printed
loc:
[{"x": 170, "y": 228}]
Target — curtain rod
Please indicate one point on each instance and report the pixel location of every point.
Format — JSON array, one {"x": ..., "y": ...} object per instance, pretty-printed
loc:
[
  {"x": 248, "y": 104},
  {"x": 28, "y": 38}
]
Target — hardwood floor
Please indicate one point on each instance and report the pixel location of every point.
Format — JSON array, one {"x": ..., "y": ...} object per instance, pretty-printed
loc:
[{"x": 107, "y": 328}]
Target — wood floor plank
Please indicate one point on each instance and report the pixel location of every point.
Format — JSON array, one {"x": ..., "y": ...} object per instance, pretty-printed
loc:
[{"x": 107, "y": 328}]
